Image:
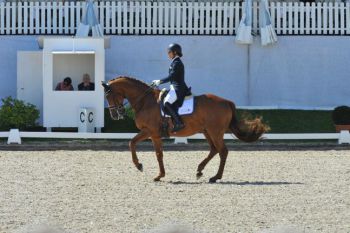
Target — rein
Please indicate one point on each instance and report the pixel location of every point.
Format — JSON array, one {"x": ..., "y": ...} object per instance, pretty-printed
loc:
[{"x": 137, "y": 100}]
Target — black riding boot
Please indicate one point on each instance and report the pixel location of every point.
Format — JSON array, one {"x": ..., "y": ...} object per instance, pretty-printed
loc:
[{"x": 178, "y": 124}]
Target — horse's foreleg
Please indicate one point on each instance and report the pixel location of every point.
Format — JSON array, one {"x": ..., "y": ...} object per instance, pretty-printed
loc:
[
  {"x": 157, "y": 143},
  {"x": 142, "y": 135},
  {"x": 212, "y": 153}
]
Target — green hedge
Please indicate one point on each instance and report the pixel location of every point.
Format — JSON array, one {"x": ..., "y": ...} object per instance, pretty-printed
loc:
[
  {"x": 17, "y": 114},
  {"x": 280, "y": 121}
]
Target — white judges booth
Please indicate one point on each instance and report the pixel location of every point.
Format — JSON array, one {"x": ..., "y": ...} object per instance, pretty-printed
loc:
[{"x": 38, "y": 74}]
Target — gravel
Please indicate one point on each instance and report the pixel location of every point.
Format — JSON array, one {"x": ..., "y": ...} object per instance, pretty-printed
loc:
[{"x": 101, "y": 191}]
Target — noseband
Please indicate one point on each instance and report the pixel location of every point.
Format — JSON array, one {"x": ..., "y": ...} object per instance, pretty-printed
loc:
[{"x": 114, "y": 106}]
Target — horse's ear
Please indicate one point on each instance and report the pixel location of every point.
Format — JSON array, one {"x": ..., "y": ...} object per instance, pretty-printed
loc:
[{"x": 106, "y": 86}]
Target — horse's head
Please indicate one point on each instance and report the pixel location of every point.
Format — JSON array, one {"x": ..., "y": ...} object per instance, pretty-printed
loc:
[{"x": 115, "y": 101}]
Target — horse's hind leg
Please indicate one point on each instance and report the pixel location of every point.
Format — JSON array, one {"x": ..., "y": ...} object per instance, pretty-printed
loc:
[
  {"x": 212, "y": 153},
  {"x": 157, "y": 143},
  {"x": 221, "y": 147},
  {"x": 142, "y": 135}
]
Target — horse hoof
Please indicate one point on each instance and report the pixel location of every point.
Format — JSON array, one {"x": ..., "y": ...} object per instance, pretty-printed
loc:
[
  {"x": 212, "y": 180},
  {"x": 199, "y": 175},
  {"x": 140, "y": 167},
  {"x": 156, "y": 179}
]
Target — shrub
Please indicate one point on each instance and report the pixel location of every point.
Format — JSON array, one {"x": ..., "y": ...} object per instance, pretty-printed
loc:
[
  {"x": 341, "y": 115},
  {"x": 17, "y": 114}
]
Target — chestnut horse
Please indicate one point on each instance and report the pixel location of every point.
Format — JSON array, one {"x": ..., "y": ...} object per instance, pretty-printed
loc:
[{"x": 212, "y": 116}]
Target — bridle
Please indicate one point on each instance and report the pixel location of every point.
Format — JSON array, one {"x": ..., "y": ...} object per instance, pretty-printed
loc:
[{"x": 121, "y": 107}]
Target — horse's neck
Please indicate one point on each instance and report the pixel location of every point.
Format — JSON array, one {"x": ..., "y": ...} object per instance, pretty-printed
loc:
[{"x": 138, "y": 96}]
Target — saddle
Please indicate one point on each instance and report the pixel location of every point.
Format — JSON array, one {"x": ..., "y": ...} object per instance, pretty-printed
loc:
[{"x": 184, "y": 106}]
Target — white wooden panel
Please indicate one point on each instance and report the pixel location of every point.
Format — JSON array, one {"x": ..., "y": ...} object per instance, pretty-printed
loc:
[
  {"x": 319, "y": 18},
  {"x": 137, "y": 17},
  {"x": 119, "y": 17},
  {"x": 125, "y": 17},
  {"x": 19, "y": 17},
  {"x": 284, "y": 18},
  {"x": 54, "y": 18},
  {"x": 149, "y": 17},
  {"x": 307, "y": 18},
  {"x": 219, "y": 18},
  {"x": 60, "y": 17},
  {"x": 225, "y": 18},
  {"x": 232, "y": 15},
  {"x": 278, "y": 18},
  {"x": 155, "y": 18},
  {"x": 296, "y": 15},
  {"x": 108, "y": 18},
  {"x": 336, "y": 17},
  {"x": 48, "y": 17},
  {"x": 347, "y": 18},
  {"x": 207, "y": 18},
  {"x": 190, "y": 18},
  {"x": 273, "y": 14},
  {"x": 166, "y": 17},
  {"x": 184, "y": 18},
  {"x": 2, "y": 18},
  {"x": 313, "y": 18},
  {"x": 13, "y": 19},
  {"x": 342, "y": 18},
  {"x": 177, "y": 18},
  {"x": 131, "y": 27},
  {"x": 326, "y": 21},
  {"x": 172, "y": 17},
  {"x": 213, "y": 18},
  {"x": 66, "y": 17},
  {"x": 102, "y": 15},
  {"x": 113, "y": 16},
  {"x": 72, "y": 17},
  {"x": 201, "y": 18}
]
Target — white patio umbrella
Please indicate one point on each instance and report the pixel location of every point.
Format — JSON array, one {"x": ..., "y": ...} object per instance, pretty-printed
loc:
[
  {"x": 89, "y": 22},
  {"x": 244, "y": 30},
  {"x": 267, "y": 33}
]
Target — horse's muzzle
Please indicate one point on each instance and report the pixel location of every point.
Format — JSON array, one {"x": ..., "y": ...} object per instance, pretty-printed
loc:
[{"x": 117, "y": 113}]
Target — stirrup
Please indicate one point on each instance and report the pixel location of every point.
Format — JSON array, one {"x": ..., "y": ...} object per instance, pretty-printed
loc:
[{"x": 178, "y": 127}]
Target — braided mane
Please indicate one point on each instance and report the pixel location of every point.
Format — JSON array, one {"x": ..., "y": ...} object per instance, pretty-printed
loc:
[{"x": 135, "y": 81}]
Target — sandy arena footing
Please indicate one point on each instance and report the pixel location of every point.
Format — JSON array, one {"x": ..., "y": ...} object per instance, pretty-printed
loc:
[{"x": 101, "y": 191}]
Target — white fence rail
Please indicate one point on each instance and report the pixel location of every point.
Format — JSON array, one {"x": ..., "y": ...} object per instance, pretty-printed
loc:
[
  {"x": 14, "y": 136},
  {"x": 174, "y": 18}
]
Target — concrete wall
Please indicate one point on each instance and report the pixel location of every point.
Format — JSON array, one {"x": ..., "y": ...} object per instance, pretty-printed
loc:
[{"x": 299, "y": 72}]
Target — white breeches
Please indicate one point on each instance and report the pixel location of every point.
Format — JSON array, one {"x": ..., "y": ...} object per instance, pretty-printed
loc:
[{"x": 171, "y": 97}]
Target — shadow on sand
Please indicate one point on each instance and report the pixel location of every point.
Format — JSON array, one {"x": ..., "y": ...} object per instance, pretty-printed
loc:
[{"x": 243, "y": 183}]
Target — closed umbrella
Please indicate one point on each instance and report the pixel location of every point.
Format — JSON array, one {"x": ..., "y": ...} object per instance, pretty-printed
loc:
[
  {"x": 244, "y": 30},
  {"x": 89, "y": 22},
  {"x": 267, "y": 33}
]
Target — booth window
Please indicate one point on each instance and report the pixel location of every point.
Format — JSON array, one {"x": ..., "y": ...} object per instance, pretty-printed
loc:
[{"x": 73, "y": 71}]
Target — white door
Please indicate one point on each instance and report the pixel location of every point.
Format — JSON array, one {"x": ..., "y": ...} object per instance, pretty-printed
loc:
[{"x": 30, "y": 78}]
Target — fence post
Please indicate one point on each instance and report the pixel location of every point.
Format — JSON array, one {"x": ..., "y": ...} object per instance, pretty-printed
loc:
[
  {"x": 181, "y": 140},
  {"x": 14, "y": 137},
  {"x": 344, "y": 137}
]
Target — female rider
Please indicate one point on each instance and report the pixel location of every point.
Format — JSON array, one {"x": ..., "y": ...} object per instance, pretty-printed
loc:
[{"x": 178, "y": 88}]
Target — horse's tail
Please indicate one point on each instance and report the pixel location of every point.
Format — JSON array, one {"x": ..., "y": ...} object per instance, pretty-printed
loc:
[{"x": 247, "y": 130}]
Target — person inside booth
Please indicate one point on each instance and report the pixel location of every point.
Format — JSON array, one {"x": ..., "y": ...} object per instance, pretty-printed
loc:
[
  {"x": 86, "y": 85},
  {"x": 66, "y": 85}
]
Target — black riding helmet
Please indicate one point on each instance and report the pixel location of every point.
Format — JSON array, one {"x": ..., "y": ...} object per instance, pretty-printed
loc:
[{"x": 176, "y": 48}]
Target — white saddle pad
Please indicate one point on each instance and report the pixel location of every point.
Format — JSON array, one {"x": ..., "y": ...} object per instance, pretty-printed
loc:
[{"x": 186, "y": 108}]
